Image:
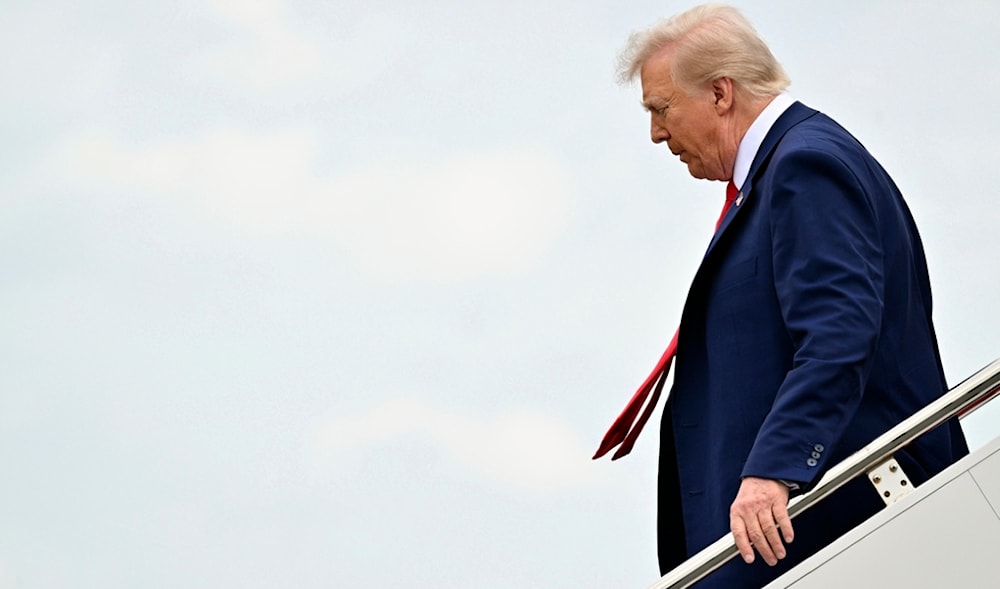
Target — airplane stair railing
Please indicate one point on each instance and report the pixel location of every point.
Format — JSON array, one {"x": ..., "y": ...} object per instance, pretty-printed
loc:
[{"x": 874, "y": 460}]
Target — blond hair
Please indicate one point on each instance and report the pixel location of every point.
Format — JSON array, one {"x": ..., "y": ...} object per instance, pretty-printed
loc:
[{"x": 710, "y": 41}]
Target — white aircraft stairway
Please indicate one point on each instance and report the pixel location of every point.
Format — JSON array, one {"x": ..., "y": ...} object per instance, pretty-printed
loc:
[{"x": 944, "y": 534}]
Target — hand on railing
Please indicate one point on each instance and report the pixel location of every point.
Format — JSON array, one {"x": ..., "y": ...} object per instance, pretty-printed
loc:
[{"x": 757, "y": 515}]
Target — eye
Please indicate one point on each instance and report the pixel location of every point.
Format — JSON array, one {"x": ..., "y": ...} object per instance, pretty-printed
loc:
[{"x": 658, "y": 110}]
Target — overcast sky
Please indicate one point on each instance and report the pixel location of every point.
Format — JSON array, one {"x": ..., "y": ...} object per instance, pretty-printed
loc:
[{"x": 344, "y": 294}]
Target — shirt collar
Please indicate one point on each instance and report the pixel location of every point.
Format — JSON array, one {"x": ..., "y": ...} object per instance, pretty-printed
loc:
[{"x": 755, "y": 136}]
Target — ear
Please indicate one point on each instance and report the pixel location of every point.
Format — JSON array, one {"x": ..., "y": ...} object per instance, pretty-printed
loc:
[{"x": 723, "y": 91}]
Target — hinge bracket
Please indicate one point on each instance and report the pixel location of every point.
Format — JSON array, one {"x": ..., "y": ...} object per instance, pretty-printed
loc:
[{"x": 890, "y": 481}]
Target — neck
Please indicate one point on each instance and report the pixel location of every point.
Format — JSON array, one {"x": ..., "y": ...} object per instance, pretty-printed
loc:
[{"x": 745, "y": 112}]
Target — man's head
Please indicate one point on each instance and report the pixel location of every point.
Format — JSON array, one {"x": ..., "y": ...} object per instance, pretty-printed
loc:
[{"x": 705, "y": 75}]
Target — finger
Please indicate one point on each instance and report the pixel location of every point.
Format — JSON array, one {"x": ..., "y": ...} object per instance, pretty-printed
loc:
[
  {"x": 755, "y": 534},
  {"x": 759, "y": 540},
  {"x": 770, "y": 530},
  {"x": 784, "y": 522},
  {"x": 739, "y": 530}
]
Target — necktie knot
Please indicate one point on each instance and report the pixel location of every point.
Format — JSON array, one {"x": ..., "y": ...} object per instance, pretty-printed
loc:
[{"x": 731, "y": 192}]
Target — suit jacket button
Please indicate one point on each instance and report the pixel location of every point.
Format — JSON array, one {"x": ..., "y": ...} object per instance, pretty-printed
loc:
[
  {"x": 819, "y": 447},
  {"x": 816, "y": 455},
  {"x": 812, "y": 462}
]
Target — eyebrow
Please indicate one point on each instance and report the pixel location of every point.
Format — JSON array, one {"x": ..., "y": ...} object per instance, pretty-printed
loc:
[{"x": 651, "y": 104}]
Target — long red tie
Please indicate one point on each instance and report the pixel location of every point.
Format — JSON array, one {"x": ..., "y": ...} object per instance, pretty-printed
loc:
[{"x": 622, "y": 431}]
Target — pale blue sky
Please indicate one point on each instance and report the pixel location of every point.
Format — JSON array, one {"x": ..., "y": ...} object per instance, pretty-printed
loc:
[{"x": 313, "y": 294}]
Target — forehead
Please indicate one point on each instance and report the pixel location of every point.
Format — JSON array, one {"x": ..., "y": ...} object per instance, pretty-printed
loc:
[{"x": 656, "y": 75}]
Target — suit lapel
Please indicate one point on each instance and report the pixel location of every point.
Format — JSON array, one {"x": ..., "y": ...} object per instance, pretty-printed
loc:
[{"x": 794, "y": 115}]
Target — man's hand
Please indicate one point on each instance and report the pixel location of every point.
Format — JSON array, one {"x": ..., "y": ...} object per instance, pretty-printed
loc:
[{"x": 760, "y": 509}]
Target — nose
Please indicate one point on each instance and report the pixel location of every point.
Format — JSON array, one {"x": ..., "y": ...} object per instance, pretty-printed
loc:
[{"x": 657, "y": 132}]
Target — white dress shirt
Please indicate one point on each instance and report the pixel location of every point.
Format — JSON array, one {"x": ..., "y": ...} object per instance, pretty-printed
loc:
[{"x": 755, "y": 136}]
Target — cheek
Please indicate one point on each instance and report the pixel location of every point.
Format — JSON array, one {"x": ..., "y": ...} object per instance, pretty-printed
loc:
[{"x": 693, "y": 134}]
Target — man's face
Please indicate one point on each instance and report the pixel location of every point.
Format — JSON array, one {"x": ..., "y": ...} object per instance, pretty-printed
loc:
[{"x": 690, "y": 124}]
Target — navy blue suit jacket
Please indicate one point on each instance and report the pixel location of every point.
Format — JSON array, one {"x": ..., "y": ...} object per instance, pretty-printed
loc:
[{"x": 806, "y": 334}]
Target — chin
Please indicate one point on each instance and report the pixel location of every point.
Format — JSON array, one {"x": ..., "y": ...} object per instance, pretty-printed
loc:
[{"x": 701, "y": 174}]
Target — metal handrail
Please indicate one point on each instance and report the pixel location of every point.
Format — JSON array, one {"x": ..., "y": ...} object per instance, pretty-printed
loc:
[{"x": 962, "y": 400}]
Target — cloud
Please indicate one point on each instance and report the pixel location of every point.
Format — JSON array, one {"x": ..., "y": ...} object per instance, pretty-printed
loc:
[
  {"x": 524, "y": 450},
  {"x": 465, "y": 216},
  {"x": 427, "y": 220},
  {"x": 250, "y": 13},
  {"x": 268, "y": 54},
  {"x": 250, "y": 180}
]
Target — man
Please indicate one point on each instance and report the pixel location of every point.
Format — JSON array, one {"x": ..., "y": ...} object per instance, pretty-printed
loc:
[{"x": 807, "y": 330}]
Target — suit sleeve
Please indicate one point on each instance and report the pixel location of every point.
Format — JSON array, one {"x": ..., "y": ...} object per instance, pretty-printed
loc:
[{"x": 828, "y": 276}]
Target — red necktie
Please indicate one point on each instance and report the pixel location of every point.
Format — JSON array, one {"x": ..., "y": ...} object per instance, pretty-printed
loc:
[{"x": 622, "y": 432}]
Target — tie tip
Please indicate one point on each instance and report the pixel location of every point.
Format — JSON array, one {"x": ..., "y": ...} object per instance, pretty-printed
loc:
[{"x": 601, "y": 452}]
